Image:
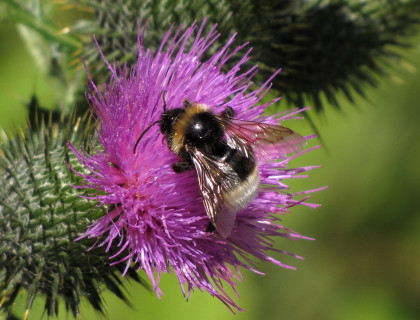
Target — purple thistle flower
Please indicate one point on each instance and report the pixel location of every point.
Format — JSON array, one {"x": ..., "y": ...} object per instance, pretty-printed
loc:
[{"x": 155, "y": 215}]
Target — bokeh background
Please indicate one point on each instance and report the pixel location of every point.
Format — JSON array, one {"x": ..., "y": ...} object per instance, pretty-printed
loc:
[{"x": 365, "y": 261}]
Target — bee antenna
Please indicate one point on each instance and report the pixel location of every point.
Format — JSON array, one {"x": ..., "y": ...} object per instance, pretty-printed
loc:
[
  {"x": 142, "y": 134},
  {"x": 164, "y": 100}
]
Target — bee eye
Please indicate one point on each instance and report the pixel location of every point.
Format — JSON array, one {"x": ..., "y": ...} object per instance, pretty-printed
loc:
[{"x": 168, "y": 120}]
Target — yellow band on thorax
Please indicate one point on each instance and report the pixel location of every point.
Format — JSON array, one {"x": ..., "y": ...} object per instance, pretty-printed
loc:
[{"x": 181, "y": 125}]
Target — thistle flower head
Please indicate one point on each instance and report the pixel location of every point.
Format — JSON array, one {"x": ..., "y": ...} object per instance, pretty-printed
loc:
[{"x": 156, "y": 216}]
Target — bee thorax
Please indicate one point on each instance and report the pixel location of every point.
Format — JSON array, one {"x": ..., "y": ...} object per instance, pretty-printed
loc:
[{"x": 202, "y": 129}]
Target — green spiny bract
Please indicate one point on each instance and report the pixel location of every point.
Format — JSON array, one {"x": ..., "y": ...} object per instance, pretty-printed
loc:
[
  {"x": 323, "y": 48},
  {"x": 41, "y": 215},
  {"x": 332, "y": 46}
]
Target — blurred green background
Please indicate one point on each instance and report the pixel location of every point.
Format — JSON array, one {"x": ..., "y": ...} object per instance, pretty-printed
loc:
[{"x": 365, "y": 262}]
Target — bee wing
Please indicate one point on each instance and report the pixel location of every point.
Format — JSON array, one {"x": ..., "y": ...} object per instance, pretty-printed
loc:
[
  {"x": 267, "y": 139},
  {"x": 216, "y": 179}
]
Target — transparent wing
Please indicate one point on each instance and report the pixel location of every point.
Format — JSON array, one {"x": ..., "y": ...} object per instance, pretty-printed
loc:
[
  {"x": 265, "y": 139},
  {"x": 215, "y": 179}
]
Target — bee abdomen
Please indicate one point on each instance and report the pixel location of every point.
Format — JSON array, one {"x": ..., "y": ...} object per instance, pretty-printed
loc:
[
  {"x": 243, "y": 193},
  {"x": 234, "y": 200},
  {"x": 242, "y": 165}
]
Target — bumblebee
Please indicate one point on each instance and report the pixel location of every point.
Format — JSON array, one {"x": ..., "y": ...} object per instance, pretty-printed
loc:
[{"x": 224, "y": 152}]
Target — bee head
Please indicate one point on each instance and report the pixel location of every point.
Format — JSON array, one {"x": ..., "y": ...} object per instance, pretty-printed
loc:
[{"x": 168, "y": 119}]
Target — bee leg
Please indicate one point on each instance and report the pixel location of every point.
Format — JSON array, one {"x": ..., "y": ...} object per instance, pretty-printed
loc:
[
  {"x": 210, "y": 228},
  {"x": 228, "y": 113},
  {"x": 181, "y": 166},
  {"x": 187, "y": 103}
]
